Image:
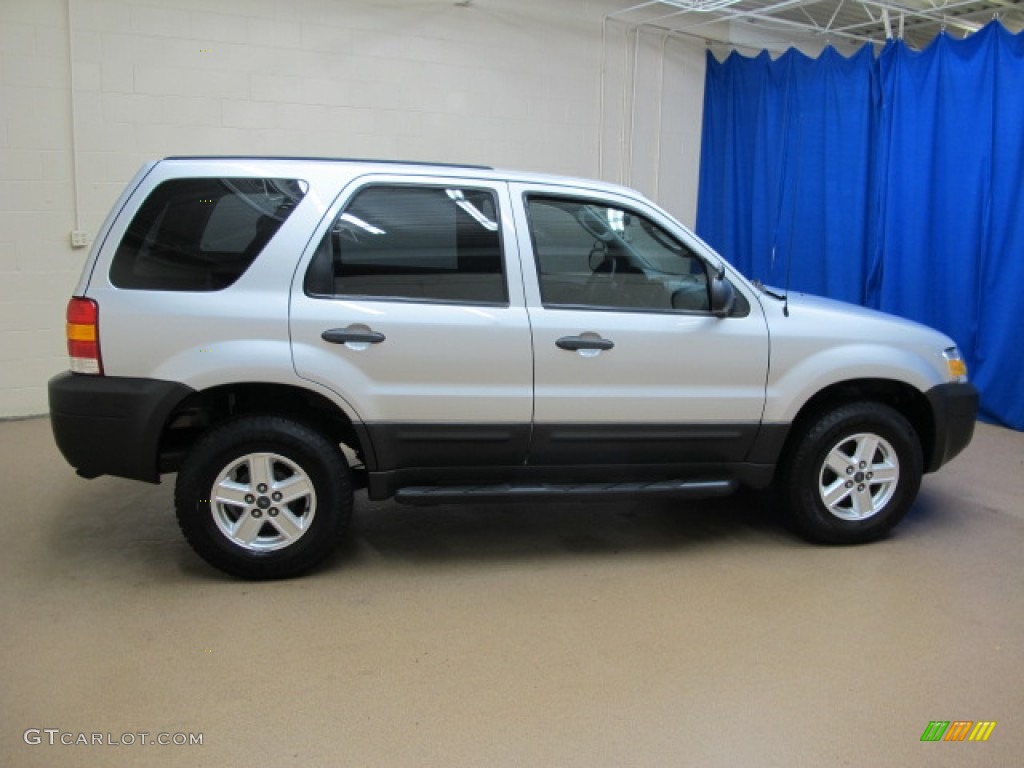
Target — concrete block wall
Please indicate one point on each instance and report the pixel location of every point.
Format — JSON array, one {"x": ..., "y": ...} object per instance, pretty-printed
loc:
[{"x": 510, "y": 83}]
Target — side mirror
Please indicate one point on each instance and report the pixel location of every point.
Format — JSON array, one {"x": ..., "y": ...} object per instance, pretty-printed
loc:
[{"x": 723, "y": 296}]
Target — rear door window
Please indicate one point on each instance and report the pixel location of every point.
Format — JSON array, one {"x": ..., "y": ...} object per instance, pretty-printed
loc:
[
  {"x": 410, "y": 243},
  {"x": 202, "y": 234}
]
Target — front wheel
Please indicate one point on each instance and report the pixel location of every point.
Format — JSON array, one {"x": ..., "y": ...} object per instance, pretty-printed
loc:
[
  {"x": 263, "y": 497},
  {"x": 852, "y": 475}
]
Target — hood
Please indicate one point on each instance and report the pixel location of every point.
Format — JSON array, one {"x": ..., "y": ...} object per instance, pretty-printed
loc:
[{"x": 850, "y": 320}]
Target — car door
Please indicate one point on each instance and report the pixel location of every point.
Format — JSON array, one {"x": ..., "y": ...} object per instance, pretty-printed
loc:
[
  {"x": 409, "y": 306},
  {"x": 631, "y": 366}
]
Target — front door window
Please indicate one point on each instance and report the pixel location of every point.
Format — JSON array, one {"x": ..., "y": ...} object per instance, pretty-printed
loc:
[{"x": 594, "y": 255}]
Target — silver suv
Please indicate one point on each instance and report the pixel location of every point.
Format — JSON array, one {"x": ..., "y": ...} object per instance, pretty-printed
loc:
[{"x": 281, "y": 331}]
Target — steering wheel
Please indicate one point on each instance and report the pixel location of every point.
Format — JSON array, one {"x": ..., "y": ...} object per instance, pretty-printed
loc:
[{"x": 602, "y": 264}]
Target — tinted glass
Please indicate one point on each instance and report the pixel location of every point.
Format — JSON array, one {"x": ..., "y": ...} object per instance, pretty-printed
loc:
[
  {"x": 413, "y": 243},
  {"x": 201, "y": 234},
  {"x": 593, "y": 255}
]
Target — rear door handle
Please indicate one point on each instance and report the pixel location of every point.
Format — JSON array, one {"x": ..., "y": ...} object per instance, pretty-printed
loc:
[
  {"x": 345, "y": 336},
  {"x": 576, "y": 343}
]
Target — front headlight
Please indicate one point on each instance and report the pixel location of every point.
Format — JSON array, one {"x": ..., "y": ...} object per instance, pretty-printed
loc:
[{"x": 956, "y": 368}]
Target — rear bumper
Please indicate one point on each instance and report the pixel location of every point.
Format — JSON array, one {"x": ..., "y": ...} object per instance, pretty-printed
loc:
[
  {"x": 954, "y": 409},
  {"x": 110, "y": 425}
]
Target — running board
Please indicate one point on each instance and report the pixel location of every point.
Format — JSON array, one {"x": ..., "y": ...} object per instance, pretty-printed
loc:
[{"x": 453, "y": 494}]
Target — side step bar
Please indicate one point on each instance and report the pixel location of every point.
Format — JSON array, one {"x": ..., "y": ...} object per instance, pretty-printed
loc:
[{"x": 456, "y": 494}]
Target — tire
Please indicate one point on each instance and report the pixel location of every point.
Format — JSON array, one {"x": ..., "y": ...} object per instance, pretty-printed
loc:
[
  {"x": 852, "y": 474},
  {"x": 263, "y": 497}
]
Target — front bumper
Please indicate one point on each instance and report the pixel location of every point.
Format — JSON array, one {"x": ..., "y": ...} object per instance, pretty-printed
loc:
[
  {"x": 954, "y": 410},
  {"x": 111, "y": 425}
]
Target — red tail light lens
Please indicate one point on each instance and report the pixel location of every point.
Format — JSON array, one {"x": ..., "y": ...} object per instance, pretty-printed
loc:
[{"x": 83, "y": 331}]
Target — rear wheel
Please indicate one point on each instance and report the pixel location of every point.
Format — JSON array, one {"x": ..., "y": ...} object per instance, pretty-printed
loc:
[
  {"x": 852, "y": 474},
  {"x": 263, "y": 497}
]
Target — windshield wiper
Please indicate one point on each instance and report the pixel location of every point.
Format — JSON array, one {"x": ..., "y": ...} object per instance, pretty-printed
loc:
[{"x": 764, "y": 289}]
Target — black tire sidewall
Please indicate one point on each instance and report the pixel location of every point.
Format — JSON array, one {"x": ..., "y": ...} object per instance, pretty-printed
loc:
[
  {"x": 322, "y": 462},
  {"x": 806, "y": 509}
]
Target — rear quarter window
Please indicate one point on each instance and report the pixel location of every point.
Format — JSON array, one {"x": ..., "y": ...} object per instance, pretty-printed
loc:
[{"x": 201, "y": 234}]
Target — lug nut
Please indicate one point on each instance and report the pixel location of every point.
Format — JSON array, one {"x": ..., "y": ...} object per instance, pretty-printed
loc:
[
  {"x": 849, "y": 483},
  {"x": 860, "y": 487},
  {"x": 257, "y": 513},
  {"x": 272, "y": 511},
  {"x": 863, "y": 464},
  {"x": 262, "y": 487},
  {"x": 870, "y": 475},
  {"x": 277, "y": 496},
  {"x": 249, "y": 498}
]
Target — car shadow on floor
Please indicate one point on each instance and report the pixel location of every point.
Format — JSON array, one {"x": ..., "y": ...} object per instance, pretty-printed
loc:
[
  {"x": 129, "y": 529},
  {"x": 120, "y": 529},
  {"x": 510, "y": 531}
]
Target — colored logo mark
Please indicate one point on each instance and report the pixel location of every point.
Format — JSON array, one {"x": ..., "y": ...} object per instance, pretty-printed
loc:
[{"x": 958, "y": 730}]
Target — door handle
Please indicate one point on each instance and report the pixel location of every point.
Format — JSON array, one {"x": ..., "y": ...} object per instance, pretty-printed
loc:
[
  {"x": 575, "y": 343},
  {"x": 345, "y": 336}
]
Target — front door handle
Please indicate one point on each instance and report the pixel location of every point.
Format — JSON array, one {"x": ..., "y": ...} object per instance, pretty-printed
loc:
[
  {"x": 575, "y": 343},
  {"x": 345, "y": 336}
]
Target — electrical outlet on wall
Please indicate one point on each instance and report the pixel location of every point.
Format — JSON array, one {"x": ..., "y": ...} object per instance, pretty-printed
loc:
[{"x": 79, "y": 238}]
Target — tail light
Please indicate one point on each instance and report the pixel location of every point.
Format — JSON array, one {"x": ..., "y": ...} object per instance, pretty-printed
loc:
[{"x": 83, "y": 332}]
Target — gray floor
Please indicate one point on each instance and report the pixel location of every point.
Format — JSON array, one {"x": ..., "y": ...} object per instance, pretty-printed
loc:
[{"x": 568, "y": 635}]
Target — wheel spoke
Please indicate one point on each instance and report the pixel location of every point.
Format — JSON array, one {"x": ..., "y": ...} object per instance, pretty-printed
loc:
[
  {"x": 883, "y": 474},
  {"x": 863, "y": 503},
  {"x": 295, "y": 487},
  {"x": 230, "y": 492},
  {"x": 867, "y": 445},
  {"x": 835, "y": 493},
  {"x": 287, "y": 525},
  {"x": 839, "y": 462},
  {"x": 248, "y": 528},
  {"x": 261, "y": 470}
]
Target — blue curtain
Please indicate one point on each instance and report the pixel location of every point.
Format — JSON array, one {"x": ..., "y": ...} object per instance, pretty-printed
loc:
[
  {"x": 784, "y": 182},
  {"x": 896, "y": 182}
]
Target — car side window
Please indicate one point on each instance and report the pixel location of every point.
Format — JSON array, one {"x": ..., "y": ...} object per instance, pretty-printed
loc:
[
  {"x": 593, "y": 255},
  {"x": 439, "y": 244}
]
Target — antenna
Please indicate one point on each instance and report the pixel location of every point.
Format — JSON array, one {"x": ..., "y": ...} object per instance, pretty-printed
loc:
[
  {"x": 789, "y": 264},
  {"x": 792, "y": 232},
  {"x": 786, "y": 154}
]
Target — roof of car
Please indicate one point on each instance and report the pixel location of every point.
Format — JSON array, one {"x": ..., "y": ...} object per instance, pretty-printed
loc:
[
  {"x": 483, "y": 171},
  {"x": 360, "y": 160}
]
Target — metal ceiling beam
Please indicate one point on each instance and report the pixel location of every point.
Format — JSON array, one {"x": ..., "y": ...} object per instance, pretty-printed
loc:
[
  {"x": 734, "y": 15},
  {"x": 920, "y": 19},
  {"x": 782, "y": 22},
  {"x": 933, "y": 18}
]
